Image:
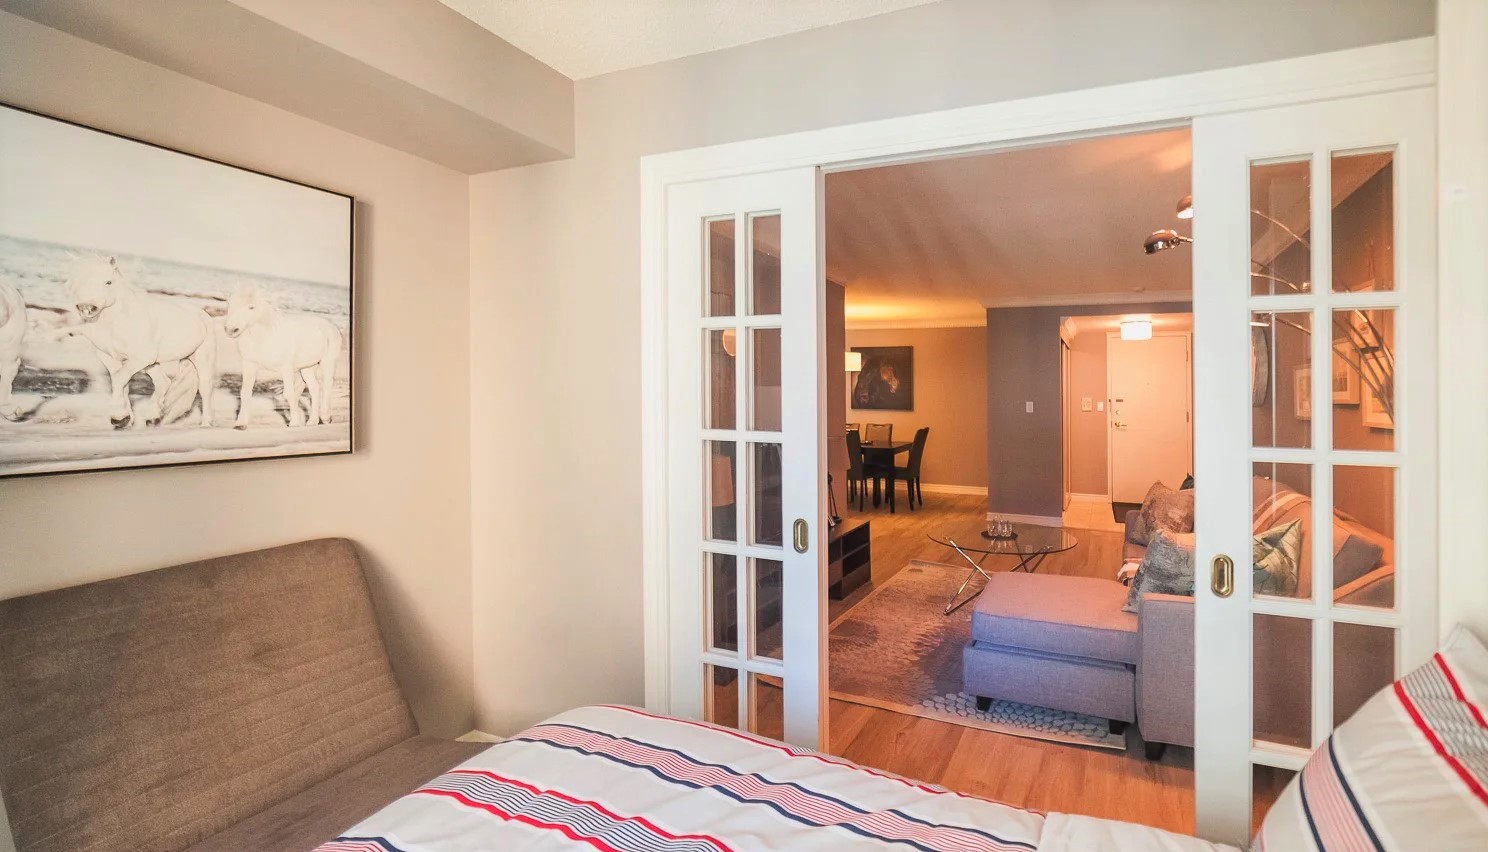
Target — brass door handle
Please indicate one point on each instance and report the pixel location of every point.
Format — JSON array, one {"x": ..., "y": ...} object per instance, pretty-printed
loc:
[
  {"x": 1222, "y": 576},
  {"x": 801, "y": 535}
]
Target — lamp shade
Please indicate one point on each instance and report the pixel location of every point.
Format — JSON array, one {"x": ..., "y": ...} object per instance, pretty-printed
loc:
[
  {"x": 1136, "y": 330},
  {"x": 854, "y": 362}
]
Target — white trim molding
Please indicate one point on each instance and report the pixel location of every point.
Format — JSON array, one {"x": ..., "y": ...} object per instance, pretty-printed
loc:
[
  {"x": 920, "y": 322},
  {"x": 1148, "y": 104},
  {"x": 1089, "y": 498},
  {"x": 1462, "y": 307},
  {"x": 979, "y": 490},
  {"x": 1060, "y": 300}
]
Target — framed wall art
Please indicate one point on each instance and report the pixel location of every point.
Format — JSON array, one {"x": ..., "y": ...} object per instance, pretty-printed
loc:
[{"x": 160, "y": 308}]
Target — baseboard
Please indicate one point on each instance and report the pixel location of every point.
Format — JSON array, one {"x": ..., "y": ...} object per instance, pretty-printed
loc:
[
  {"x": 955, "y": 489},
  {"x": 1089, "y": 498},
  {"x": 478, "y": 737},
  {"x": 1040, "y": 520}
]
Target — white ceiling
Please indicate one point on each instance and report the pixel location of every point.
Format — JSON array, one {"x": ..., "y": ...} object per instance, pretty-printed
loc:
[
  {"x": 937, "y": 242},
  {"x": 585, "y": 38}
]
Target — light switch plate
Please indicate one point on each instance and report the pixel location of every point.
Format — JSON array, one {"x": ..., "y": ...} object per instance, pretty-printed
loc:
[
  {"x": 1100, "y": 405},
  {"x": 1028, "y": 407},
  {"x": 1086, "y": 404}
]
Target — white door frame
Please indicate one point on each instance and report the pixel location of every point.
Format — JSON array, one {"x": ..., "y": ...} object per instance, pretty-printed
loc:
[
  {"x": 1188, "y": 388},
  {"x": 1164, "y": 102}
]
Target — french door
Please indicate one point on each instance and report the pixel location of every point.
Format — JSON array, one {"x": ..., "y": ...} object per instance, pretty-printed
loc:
[
  {"x": 1315, "y": 392},
  {"x": 746, "y": 510}
]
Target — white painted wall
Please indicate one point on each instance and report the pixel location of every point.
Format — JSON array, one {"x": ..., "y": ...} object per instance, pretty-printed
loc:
[
  {"x": 403, "y": 496},
  {"x": 555, "y": 269},
  {"x": 1462, "y": 169}
]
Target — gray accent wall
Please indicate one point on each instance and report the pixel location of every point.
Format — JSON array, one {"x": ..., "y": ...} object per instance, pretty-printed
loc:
[{"x": 1025, "y": 462}]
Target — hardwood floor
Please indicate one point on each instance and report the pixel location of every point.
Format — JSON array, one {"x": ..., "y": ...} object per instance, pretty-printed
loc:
[{"x": 1023, "y": 772}]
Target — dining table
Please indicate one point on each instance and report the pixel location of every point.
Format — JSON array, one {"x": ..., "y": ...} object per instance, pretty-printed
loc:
[{"x": 881, "y": 454}]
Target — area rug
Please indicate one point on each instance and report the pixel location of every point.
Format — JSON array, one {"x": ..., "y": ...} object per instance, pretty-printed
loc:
[{"x": 895, "y": 650}]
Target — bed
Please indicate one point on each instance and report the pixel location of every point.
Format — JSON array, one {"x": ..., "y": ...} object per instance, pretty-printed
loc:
[{"x": 619, "y": 778}]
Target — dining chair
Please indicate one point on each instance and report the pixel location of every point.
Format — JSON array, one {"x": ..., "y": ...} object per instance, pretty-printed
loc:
[
  {"x": 878, "y": 433},
  {"x": 910, "y": 472},
  {"x": 855, "y": 427},
  {"x": 857, "y": 480}
]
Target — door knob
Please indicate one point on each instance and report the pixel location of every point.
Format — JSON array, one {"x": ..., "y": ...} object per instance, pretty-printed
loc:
[
  {"x": 1119, "y": 425},
  {"x": 1222, "y": 576},
  {"x": 801, "y": 535}
]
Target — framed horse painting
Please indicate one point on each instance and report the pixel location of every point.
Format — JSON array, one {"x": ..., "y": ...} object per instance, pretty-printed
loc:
[{"x": 160, "y": 308}]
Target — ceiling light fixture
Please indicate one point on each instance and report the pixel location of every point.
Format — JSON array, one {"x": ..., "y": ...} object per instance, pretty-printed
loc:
[
  {"x": 1163, "y": 240},
  {"x": 1136, "y": 329}
]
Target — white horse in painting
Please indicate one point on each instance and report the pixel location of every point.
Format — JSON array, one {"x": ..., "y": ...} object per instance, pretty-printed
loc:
[
  {"x": 12, "y": 337},
  {"x": 296, "y": 345},
  {"x": 135, "y": 332}
]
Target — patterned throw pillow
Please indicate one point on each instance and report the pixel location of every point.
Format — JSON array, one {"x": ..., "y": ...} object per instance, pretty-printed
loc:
[
  {"x": 1408, "y": 771},
  {"x": 1167, "y": 569},
  {"x": 1164, "y": 510},
  {"x": 1276, "y": 556}
]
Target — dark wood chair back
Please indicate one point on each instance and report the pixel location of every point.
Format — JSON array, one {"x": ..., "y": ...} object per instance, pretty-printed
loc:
[
  {"x": 917, "y": 451},
  {"x": 854, "y": 455},
  {"x": 878, "y": 433}
]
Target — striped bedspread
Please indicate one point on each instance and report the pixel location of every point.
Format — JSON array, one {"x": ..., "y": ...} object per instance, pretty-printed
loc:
[{"x": 622, "y": 779}]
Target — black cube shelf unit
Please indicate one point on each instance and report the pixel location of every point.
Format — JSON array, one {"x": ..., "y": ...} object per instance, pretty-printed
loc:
[{"x": 849, "y": 558}]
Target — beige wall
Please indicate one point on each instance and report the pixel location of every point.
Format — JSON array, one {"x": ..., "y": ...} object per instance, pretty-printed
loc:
[
  {"x": 950, "y": 397},
  {"x": 556, "y": 278},
  {"x": 403, "y": 496},
  {"x": 1089, "y": 468}
]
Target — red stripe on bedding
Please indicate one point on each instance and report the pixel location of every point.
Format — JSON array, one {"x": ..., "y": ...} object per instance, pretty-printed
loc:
[
  {"x": 1436, "y": 743},
  {"x": 793, "y": 751},
  {"x": 1333, "y": 817},
  {"x": 1472, "y": 709},
  {"x": 562, "y": 828}
]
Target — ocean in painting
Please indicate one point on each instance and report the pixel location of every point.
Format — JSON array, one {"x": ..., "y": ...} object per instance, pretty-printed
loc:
[{"x": 63, "y": 387}]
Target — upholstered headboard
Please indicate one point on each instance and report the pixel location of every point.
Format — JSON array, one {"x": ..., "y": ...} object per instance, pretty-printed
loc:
[{"x": 151, "y": 711}]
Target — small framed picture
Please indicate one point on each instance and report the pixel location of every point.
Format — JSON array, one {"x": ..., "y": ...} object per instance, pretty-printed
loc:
[
  {"x": 1302, "y": 392},
  {"x": 1374, "y": 414},
  {"x": 1345, "y": 382}
]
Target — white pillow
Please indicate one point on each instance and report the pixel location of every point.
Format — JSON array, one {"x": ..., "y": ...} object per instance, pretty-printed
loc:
[{"x": 1408, "y": 771}]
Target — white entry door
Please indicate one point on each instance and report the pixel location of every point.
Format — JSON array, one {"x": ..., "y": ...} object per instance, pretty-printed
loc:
[
  {"x": 747, "y": 484},
  {"x": 1315, "y": 391},
  {"x": 1150, "y": 433}
]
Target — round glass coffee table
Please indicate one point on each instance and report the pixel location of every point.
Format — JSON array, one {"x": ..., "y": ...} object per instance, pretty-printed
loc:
[{"x": 1030, "y": 544}]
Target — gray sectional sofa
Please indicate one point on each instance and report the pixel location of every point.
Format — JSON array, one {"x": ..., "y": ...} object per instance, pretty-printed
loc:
[
  {"x": 1064, "y": 641},
  {"x": 241, "y": 703}
]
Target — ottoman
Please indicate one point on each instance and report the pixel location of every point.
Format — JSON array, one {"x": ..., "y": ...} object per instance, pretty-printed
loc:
[{"x": 1053, "y": 641}]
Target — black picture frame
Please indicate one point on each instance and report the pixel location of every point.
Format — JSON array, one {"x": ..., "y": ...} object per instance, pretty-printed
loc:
[
  {"x": 10, "y": 469},
  {"x": 886, "y": 380}
]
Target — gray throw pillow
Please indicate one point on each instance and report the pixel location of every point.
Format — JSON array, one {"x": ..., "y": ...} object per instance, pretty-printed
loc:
[
  {"x": 1356, "y": 557},
  {"x": 1164, "y": 510},
  {"x": 1276, "y": 555},
  {"x": 1166, "y": 569},
  {"x": 1137, "y": 530}
]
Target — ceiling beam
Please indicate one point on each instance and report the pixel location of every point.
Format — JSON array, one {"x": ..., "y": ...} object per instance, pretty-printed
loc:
[{"x": 410, "y": 74}]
